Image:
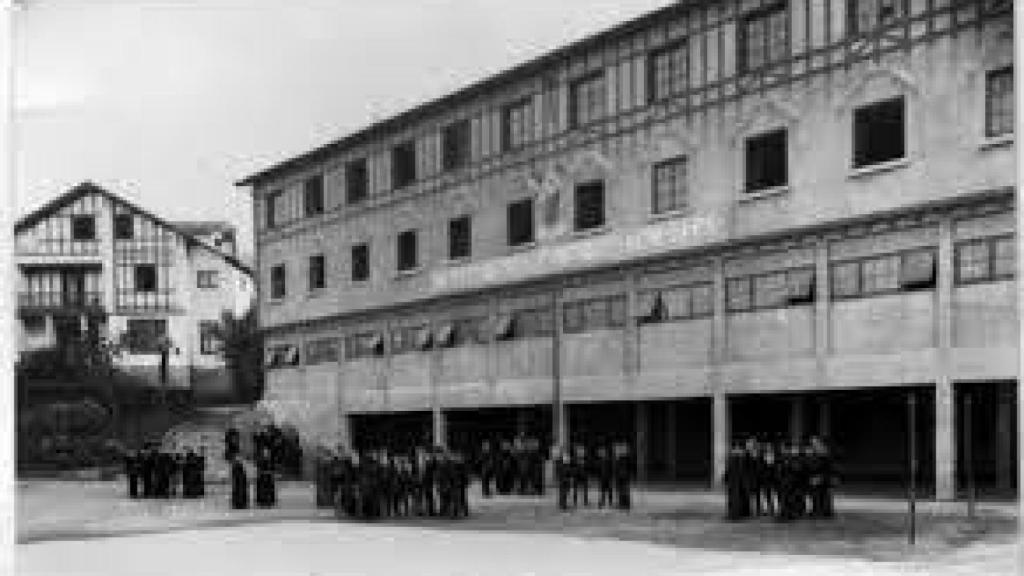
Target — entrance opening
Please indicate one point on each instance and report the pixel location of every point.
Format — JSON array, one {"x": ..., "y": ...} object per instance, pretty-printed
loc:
[
  {"x": 992, "y": 436},
  {"x": 400, "y": 431}
]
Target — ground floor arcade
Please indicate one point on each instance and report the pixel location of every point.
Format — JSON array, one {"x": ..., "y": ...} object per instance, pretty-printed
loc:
[{"x": 964, "y": 437}]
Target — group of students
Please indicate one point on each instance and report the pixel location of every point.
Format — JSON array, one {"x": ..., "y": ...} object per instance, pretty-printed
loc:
[
  {"x": 380, "y": 483},
  {"x": 611, "y": 466},
  {"x": 161, "y": 473},
  {"x": 265, "y": 485},
  {"x": 511, "y": 467},
  {"x": 785, "y": 480}
]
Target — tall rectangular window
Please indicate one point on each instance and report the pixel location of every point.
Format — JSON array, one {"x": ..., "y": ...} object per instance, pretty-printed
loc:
[
  {"x": 407, "y": 256},
  {"x": 520, "y": 222},
  {"x": 863, "y": 16},
  {"x": 668, "y": 71},
  {"x": 455, "y": 145},
  {"x": 270, "y": 208},
  {"x": 124, "y": 226},
  {"x": 145, "y": 336},
  {"x": 83, "y": 227},
  {"x": 764, "y": 37},
  {"x": 879, "y": 132},
  {"x": 313, "y": 196},
  {"x": 670, "y": 185},
  {"x": 517, "y": 127},
  {"x": 767, "y": 161},
  {"x": 206, "y": 279},
  {"x": 357, "y": 181},
  {"x": 360, "y": 262},
  {"x": 278, "y": 281},
  {"x": 403, "y": 164},
  {"x": 999, "y": 102},
  {"x": 589, "y": 204},
  {"x": 145, "y": 278},
  {"x": 209, "y": 337},
  {"x": 586, "y": 100},
  {"x": 460, "y": 233},
  {"x": 317, "y": 277}
]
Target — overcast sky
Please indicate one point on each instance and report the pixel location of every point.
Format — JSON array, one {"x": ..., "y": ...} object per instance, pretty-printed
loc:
[{"x": 169, "y": 102}]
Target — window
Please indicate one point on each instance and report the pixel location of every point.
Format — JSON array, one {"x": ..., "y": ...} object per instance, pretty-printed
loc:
[
  {"x": 532, "y": 323},
  {"x": 357, "y": 181},
  {"x": 917, "y": 270},
  {"x": 738, "y": 297},
  {"x": 407, "y": 253},
  {"x": 772, "y": 290},
  {"x": 145, "y": 336},
  {"x": 360, "y": 262},
  {"x": 879, "y": 275},
  {"x": 520, "y": 222},
  {"x": 879, "y": 132},
  {"x": 270, "y": 204},
  {"x": 594, "y": 314},
  {"x": 317, "y": 279},
  {"x": 206, "y": 279},
  {"x": 278, "y": 282},
  {"x": 517, "y": 124},
  {"x": 34, "y": 324},
  {"x": 468, "y": 331},
  {"x": 845, "y": 278},
  {"x": 668, "y": 72},
  {"x": 83, "y": 227},
  {"x": 767, "y": 161},
  {"x": 313, "y": 196},
  {"x": 403, "y": 164},
  {"x": 455, "y": 145},
  {"x": 410, "y": 339},
  {"x": 985, "y": 260},
  {"x": 589, "y": 204},
  {"x": 670, "y": 186},
  {"x": 124, "y": 227},
  {"x": 145, "y": 278},
  {"x": 764, "y": 37},
  {"x": 209, "y": 337},
  {"x": 365, "y": 345},
  {"x": 866, "y": 15},
  {"x": 459, "y": 238},
  {"x": 905, "y": 271},
  {"x": 586, "y": 100},
  {"x": 322, "y": 350},
  {"x": 999, "y": 102}
]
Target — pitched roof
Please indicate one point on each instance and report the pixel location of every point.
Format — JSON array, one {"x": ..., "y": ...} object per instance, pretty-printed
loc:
[
  {"x": 85, "y": 188},
  {"x": 471, "y": 91}
]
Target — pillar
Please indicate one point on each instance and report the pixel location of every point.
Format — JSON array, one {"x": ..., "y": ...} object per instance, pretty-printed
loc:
[
  {"x": 824, "y": 418},
  {"x": 945, "y": 407},
  {"x": 439, "y": 428},
  {"x": 640, "y": 421},
  {"x": 522, "y": 426},
  {"x": 796, "y": 418},
  {"x": 719, "y": 437},
  {"x": 671, "y": 440},
  {"x": 1005, "y": 466}
]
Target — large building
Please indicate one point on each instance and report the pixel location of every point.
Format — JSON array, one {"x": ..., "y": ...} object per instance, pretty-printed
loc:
[
  {"x": 720, "y": 219},
  {"x": 93, "y": 262}
]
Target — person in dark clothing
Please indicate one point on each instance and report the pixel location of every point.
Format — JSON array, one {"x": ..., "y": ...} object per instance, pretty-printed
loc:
[
  {"x": 822, "y": 479},
  {"x": 737, "y": 502},
  {"x": 231, "y": 444},
  {"x": 131, "y": 470},
  {"x": 200, "y": 473},
  {"x": 605, "y": 478},
  {"x": 428, "y": 479},
  {"x": 265, "y": 490},
  {"x": 239, "y": 485},
  {"x": 460, "y": 486},
  {"x": 752, "y": 475},
  {"x": 789, "y": 484},
  {"x": 175, "y": 477},
  {"x": 769, "y": 478},
  {"x": 580, "y": 479},
  {"x": 536, "y": 466},
  {"x": 486, "y": 465},
  {"x": 504, "y": 469},
  {"x": 188, "y": 474},
  {"x": 322, "y": 479},
  {"x": 623, "y": 472},
  {"x": 563, "y": 476}
]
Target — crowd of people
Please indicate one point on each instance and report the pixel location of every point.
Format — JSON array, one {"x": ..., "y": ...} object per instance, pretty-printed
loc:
[
  {"x": 784, "y": 480},
  {"x": 611, "y": 467},
  {"x": 161, "y": 473},
  {"x": 508, "y": 467},
  {"x": 381, "y": 483}
]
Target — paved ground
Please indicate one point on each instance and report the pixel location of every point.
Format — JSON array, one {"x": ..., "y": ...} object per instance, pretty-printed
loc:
[{"x": 90, "y": 528}]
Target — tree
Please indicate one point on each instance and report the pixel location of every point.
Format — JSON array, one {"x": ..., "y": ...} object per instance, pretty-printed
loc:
[{"x": 243, "y": 352}]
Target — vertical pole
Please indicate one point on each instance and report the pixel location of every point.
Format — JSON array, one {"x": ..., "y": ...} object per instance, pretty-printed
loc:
[
  {"x": 557, "y": 416},
  {"x": 969, "y": 452},
  {"x": 912, "y": 492}
]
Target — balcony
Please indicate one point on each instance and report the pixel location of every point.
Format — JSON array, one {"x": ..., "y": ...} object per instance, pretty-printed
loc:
[{"x": 60, "y": 301}]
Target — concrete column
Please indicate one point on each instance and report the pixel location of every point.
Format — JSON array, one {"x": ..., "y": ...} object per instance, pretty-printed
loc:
[
  {"x": 945, "y": 408},
  {"x": 521, "y": 423},
  {"x": 824, "y": 418},
  {"x": 719, "y": 336},
  {"x": 632, "y": 356},
  {"x": 671, "y": 440},
  {"x": 558, "y": 411},
  {"x": 796, "y": 418},
  {"x": 822, "y": 312},
  {"x": 640, "y": 421},
  {"x": 1005, "y": 468},
  {"x": 719, "y": 437},
  {"x": 439, "y": 428}
]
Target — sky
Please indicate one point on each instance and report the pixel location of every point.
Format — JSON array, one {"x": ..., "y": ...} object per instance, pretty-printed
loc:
[{"x": 170, "y": 102}]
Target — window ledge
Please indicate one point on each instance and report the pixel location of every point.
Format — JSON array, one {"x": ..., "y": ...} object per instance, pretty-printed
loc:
[
  {"x": 766, "y": 193},
  {"x": 588, "y": 232},
  {"x": 408, "y": 273},
  {"x": 879, "y": 168},
  {"x": 669, "y": 215},
  {"x": 275, "y": 301},
  {"x": 457, "y": 261},
  {"x": 316, "y": 292},
  {"x": 997, "y": 141},
  {"x": 524, "y": 247}
]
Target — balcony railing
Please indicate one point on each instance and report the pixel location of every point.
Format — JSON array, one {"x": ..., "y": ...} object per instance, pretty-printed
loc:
[{"x": 63, "y": 300}]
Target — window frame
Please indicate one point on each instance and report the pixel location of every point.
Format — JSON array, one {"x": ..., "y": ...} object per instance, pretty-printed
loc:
[
  {"x": 653, "y": 96},
  {"x": 761, "y": 137},
  {"x": 407, "y": 251},
  {"x": 789, "y": 300},
  {"x": 357, "y": 181},
  {"x": 313, "y": 196},
  {"x": 764, "y": 12},
  {"x": 82, "y": 223},
  {"x": 316, "y": 272},
  {"x": 144, "y": 285},
  {"x": 404, "y": 169},
  {"x": 206, "y": 279},
  {"x": 899, "y": 288},
  {"x": 528, "y": 209},
  {"x": 991, "y": 274},
  {"x": 677, "y": 205},
  {"x": 460, "y": 248},
  {"x": 359, "y": 264},
  {"x": 853, "y": 23},
  {"x": 278, "y": 282},
  {"x": 581, "y": 192},
  {"x": 990, "y": 76},
  {"x": 270, "y": 220},
  {"x": 124, "y": 226},
  {"x": 861, "y": 161},
  {"x": 577, "y": 88},
  {"x": 508, "y": 111},
  {"x": 456, "y": 145},
  {"x": 210, "y": 341}
]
